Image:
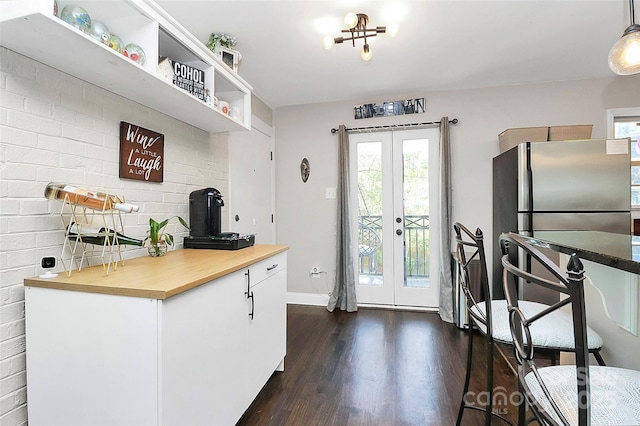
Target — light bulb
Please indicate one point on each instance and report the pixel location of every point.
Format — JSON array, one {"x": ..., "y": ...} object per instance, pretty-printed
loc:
[
  {"x": 327, "y": 42},
  {"x": 624, "y": 57},
  {"x": 392, "y": 29},
  {"x": 366, "y": 53},
  {"x": 350, "y": 20}
]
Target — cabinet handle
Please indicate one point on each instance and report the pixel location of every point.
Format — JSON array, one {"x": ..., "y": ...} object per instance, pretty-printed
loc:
[
  {"x": 272, "y": 267},
  {"x": 246, "y": 293},
  {"x": 253, "y": 302}
]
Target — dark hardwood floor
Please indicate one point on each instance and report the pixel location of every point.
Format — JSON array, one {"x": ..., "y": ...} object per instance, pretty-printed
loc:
[{"x": 375, "y": 367}]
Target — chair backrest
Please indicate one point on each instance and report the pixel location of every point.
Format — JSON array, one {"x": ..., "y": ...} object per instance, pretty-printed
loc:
[
  {"x": 571, "y": 285},
  {"x": 470, "y": 247}
]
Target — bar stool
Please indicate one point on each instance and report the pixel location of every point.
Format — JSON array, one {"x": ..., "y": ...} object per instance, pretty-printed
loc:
[
  {"x": 491, "y": 318},
  {"x": 567, "y": 394}
]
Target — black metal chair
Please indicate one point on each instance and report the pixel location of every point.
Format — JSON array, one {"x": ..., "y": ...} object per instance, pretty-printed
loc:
[
  {"x": 491, "y": 318},
  {"x": 564, "y": 394}
]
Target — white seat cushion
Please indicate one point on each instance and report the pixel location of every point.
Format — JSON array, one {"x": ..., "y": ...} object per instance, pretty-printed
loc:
[
  {"x": 615, "y": 393},
  {"x": 551, "y": 331}
]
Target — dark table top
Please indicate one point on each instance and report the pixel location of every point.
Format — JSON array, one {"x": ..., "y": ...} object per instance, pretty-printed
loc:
[{"x": 618, "y": 251}]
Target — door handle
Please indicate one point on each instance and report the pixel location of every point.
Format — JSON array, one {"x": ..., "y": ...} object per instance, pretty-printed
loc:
[
  {"x": 398, "y": 231},
  {"x": 272, "y": 267}
]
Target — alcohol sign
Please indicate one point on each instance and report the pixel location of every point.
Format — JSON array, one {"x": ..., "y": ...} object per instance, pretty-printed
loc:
[{"x": 190, "y": 79}]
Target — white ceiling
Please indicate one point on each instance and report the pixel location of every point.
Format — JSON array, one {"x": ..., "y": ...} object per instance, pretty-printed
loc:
[{"x": 442, "y": 45}]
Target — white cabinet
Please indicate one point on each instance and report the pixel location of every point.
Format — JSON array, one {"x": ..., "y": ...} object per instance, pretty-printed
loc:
[
  {"x": 195, "y": 358},
  {"x": 30, "y": 28},
  {"x": 267, "y": 331},
  {"x": 202, "y": 350},
  {"x": 92, "y": 359}
]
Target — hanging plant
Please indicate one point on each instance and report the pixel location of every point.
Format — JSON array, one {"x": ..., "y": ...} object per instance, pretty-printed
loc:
[{"x": 220, "y": 40}]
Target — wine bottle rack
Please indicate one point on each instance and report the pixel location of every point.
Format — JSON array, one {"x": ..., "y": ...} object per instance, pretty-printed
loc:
[{"x": 75, "y": 251}]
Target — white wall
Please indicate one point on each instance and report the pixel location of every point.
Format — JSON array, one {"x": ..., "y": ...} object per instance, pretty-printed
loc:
[
  {"x": 54, "y": 127},
  {"x": 306, "y": 220}
]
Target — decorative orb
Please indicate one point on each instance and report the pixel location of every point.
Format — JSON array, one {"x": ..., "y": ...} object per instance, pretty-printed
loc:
[
  {"x": 76, "y": 17},
  {"x": 100, "y": 32},
  {"x": 135, "y": 53},
  {"x": 116, "y": 43}
]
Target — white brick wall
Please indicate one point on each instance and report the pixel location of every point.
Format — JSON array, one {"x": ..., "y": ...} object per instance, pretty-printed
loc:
[{"x": 54, "y": 127}]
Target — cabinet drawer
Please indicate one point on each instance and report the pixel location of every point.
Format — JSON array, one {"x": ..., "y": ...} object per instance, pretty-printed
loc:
[{"x": 266, "y": 268}]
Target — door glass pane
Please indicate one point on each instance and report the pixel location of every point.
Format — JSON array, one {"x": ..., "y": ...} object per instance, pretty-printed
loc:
[
  {"x": 415, "y": 154},
  {"x": 370, "y": 262}
]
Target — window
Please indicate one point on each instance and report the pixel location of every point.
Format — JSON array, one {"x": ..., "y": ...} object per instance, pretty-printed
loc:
[
  {"x": 625, "y": 123},
  {"x": 630, "y": 127}
]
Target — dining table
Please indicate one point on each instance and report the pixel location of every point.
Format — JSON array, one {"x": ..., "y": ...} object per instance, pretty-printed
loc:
[{"x": 619, "y": 251}]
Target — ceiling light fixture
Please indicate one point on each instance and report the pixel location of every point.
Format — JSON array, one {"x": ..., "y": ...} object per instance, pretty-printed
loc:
[
  {"x": 624, "y": 56},
  {"x": 356, "y": 24}
]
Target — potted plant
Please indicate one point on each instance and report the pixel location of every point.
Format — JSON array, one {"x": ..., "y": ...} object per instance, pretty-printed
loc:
[
  {"x": 220, "y": 40},
  {"x": 156, "y": 239}
]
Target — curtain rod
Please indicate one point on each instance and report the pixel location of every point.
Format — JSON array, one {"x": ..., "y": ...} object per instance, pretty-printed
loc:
[{"x": 394, "y": 126}]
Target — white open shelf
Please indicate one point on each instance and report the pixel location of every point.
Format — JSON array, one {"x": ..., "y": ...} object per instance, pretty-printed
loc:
[{"x": 30, "y": 28}]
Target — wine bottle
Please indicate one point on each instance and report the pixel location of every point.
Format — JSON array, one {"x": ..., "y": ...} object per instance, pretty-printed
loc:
[
  {"x": 100, "y": 236},
  {"x": 94, "y": 200}
]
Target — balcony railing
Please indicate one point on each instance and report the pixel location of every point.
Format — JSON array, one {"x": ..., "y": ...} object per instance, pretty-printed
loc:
[{"x": 416, "y": 245}]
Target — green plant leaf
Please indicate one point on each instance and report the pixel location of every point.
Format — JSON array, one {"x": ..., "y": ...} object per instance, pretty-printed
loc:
[
  {"x": 164, "y": 223},
  {"x": 183, "y": 222},
  {"x": 154, "y": 230}
]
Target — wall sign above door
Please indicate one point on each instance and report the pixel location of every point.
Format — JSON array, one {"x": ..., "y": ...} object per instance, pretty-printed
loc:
[
  {"x": 389, "y": 108},
  {"x": 141, "y": 153}
]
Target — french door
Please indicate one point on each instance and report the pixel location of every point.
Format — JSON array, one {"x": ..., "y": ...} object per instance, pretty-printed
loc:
[{"x": 394, "y": 184}]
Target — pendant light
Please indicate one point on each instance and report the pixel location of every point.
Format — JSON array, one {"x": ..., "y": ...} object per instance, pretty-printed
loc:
[{"x": 624, "y": 56}]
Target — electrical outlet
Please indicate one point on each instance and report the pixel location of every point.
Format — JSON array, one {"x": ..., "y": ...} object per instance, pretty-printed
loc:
[{"x": 330, "y": 193}]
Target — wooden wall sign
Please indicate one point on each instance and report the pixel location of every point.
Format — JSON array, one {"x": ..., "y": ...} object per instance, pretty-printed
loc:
[{"x": 141, "y": 153}]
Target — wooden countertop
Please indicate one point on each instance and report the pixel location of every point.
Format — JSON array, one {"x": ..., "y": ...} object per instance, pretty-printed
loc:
[{"x": 160, "y": 277}]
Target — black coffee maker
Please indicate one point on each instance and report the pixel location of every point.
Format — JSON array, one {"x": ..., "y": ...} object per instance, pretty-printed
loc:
[
  {"x": 205, "y": 222},
  {"x": 205, "y": 212}
]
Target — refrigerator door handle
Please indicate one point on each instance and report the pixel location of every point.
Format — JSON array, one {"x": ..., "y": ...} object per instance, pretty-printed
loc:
[{"x": 524, "y": 177}]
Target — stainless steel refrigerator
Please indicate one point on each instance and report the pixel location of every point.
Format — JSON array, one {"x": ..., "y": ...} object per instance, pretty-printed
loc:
[{"x": 568, "y": 185}]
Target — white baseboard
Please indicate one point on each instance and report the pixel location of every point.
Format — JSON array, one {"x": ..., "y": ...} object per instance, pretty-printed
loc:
[
  {"x": 398, "y": 308},
  {"x": 311, "y": 299},
  {"x": 307, "y": 299}
]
